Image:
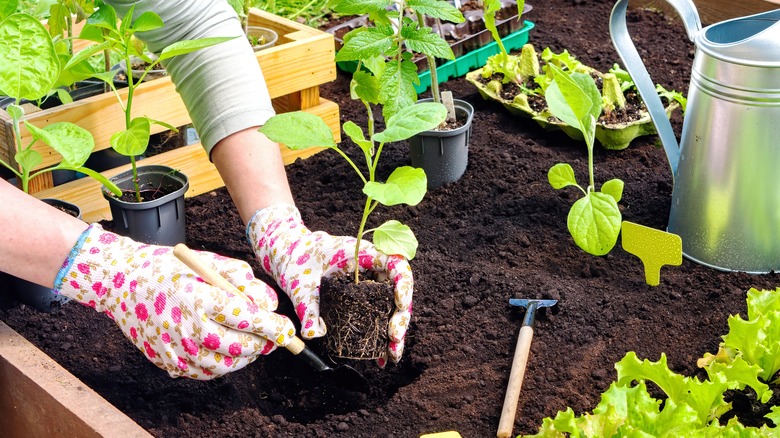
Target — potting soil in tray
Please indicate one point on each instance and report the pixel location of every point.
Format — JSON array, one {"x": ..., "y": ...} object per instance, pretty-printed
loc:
[
  {"x": 615, "y": 130},
  {"x": 498, "y": 233}
]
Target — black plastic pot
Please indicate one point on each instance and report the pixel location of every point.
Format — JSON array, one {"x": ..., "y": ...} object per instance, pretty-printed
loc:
[
  {"x": 443, "y": 154},
  {"x": 40, "y": 297},
  {"x": 160, "y": 221}
]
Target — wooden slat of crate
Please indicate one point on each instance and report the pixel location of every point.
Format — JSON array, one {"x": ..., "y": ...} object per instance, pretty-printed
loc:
[
  {"x": 38, "y": 397},
  {"x": 191, "y": 160},
  {"x": 296, "y": 66}
]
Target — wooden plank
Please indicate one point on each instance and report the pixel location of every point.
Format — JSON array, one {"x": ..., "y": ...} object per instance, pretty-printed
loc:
[
  {"x": 191, "y": 160},
  {"x": 39, "y": 398}
]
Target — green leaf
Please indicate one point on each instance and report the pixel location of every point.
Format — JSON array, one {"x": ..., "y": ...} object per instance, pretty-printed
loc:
[
  {"x": 187, "y": 46},
  {"x": 746, "y": 374},
  {"x": 561, "y": 175},
  {"x": 15, "y": 111},
  {"x": 7, "y": 8},
  {"x": 103, "y": 17},
  {"x": 359, "y": 7},
  {"x": 774, "y": 414},
  {"x": 762, "y": 302},
  {"x": 86, "y": 53},
  {"x": 437, "y": 9},
  {"x": 354, "y": 132},
  {"x": 365, "y": 86},
  {"x": 374, "y": 41},
  {"x": 298, "y": 130},
  {"x": 614, "y": 188},
  {"x": 575, "y": 99},
  {"x": 147, "y": 21},
  {"x": 73, "y": 142},
  {"x": 594, "y": 223},
  {"x": 397, "y": 87},
  {"x": 134, "y": 140},
  {"x": 412, "y": 120},
  {"x": 426, "y": 42},
  {"x": 28, "y": 159},
  {"x": 101, "y": 179},
  {"x": 30, "y": 65},
  {"x": 92, "y": 33},
  {"x": 393, "y": 237},
  {"x": 406, "y": 185}
]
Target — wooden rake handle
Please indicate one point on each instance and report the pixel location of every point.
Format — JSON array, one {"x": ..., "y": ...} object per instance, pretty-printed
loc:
[
  {"x": 519, "y": 363},
  {"x": 212, "y": 277}
]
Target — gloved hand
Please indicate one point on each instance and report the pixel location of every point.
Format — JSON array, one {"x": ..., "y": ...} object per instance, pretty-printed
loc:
[
  {"x": 298, "y": 259},
  {"x": 182, "y": 324}
]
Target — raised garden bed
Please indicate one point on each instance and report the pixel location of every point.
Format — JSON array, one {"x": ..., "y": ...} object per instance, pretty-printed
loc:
[
  {"x": 498, "y": 233},
  {"x": 290, "y": 87}
]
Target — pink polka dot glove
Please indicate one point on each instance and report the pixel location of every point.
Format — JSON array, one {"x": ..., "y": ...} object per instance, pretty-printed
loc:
[
  {"x": 298, "y": 259},
  {"x": 180, "y": 323}
]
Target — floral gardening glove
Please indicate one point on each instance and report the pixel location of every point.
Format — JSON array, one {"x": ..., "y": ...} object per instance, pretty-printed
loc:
[
  {"x": 298, "y": 259},
  {"x": 182, "y": 324}
]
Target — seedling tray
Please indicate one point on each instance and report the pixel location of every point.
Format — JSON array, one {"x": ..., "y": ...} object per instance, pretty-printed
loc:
[{"x": 461, "y": 65}]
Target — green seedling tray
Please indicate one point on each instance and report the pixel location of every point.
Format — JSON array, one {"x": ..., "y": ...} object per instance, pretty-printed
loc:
[{"x": 463, "y": 64}]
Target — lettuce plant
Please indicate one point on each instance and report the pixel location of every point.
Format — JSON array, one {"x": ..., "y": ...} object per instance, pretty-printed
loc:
[
  {"x": 594, "y": 220},
  {"x": 749, "y": 356},
  {"x": 104, "y": 28},
  {"x": 29, "y": 69}
]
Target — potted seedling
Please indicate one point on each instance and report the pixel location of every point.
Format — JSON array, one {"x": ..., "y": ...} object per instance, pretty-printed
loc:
[
  {"x": 594, "y": 220},
  {"x": 30, "y": 66},
  {"x": 259, "y": 37},
  {"x": 442, "y": 152},
  {"x": 385, "y": 49},
  {"x": 405, "y": 185},
  {"x": 151, "y": 207}
]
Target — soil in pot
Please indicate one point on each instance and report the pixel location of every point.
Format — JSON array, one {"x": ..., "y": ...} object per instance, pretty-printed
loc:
[
  {"x": 498, "y": 233},
  {"x": 357, "y": 315}
]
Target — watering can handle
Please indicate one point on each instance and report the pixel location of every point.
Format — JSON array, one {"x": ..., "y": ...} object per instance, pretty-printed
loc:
[{"x": 636, "y": 69}]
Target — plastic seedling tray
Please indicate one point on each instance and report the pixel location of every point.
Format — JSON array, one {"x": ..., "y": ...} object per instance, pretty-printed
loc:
[
  {"x": 474, "y": 59},
  {"x": 461, "y": 65}
]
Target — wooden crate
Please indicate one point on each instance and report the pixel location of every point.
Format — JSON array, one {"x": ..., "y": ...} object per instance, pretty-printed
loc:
[
  {"x": 40, "y": 398},
  {"x": 294, "y": 68}
]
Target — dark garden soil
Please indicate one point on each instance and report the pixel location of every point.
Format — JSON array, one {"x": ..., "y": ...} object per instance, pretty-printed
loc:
[{"x": 498, "y": 233}]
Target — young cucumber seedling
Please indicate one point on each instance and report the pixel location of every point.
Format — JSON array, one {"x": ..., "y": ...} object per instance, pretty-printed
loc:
[{"x": 594, "y": 220}]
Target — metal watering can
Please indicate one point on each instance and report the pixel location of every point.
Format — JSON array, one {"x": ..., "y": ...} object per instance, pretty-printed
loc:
[{"x": 726, "y": 196}]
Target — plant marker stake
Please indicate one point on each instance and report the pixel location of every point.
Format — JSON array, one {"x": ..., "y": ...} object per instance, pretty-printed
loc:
[
  {"x": 655, "y": 248},
  {"x": 519, "y": 363},
  {"x": 446, "y": 100},
  {"x": 448, "y": 434}
]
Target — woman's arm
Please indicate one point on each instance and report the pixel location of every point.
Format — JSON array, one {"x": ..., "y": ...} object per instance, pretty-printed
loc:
[{"x": 35, "y": 237}]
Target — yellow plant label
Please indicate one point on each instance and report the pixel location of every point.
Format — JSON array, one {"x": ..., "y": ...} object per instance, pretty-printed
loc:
[{"x": 655, "y": 248}]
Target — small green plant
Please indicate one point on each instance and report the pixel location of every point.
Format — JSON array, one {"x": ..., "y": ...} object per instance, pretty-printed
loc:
[
  {"x": 386, "y": 50},
  {"x": 502, "y": 62},
  {"x": 113, "y": 35},
  {"x": 594, "y": 220},
  {"x": 405, "y": 185},
  {"x": 749, "y": 356},
  {"x": 30, "y": 66},
  {"x": 386, "y": 46}
]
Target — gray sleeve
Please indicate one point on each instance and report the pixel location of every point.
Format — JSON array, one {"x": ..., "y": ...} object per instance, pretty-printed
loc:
[{"x": 222, "y": 86}]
